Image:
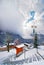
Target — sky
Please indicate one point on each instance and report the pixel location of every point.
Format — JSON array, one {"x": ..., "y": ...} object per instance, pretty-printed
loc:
[{"x": 18, "y": 16}]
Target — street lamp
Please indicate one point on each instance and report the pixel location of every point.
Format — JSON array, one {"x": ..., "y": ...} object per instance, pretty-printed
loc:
[
  {"x": 33, "y": 26},
  {"x": 35, "y": 36}
]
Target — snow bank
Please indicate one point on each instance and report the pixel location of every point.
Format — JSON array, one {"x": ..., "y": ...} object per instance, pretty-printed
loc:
[
  {"x": 35, "y": 63},
  {"x": 41, "y": 47},
  {"x": 6, "y": 54}
]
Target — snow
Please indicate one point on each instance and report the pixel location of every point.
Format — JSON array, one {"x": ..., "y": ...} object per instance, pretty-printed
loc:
[
  {"x": 41, "y": 47},
  {"x": 11, "y": 43},
  {"x": 2, "y": 46},
  {"x": 21, "y": 45},
  {"x": 28, "y": 57},
  {"x": 41, "y": 52},
  {"x": 6, "y": 54},
  {"x": 29, "y": 54},
  {"x": 35, "y": 63}
]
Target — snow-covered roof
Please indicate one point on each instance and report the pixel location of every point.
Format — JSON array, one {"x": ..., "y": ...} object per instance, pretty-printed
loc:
[
  {"x": 27, "y": 44},
  {"x": 11, "y": 43},
  {"x": 2, "y": 46},
  {"x": 21, "y": 45}
]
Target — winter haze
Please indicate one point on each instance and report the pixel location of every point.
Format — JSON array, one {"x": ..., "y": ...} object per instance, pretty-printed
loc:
[{"x": 15, "y": 16}]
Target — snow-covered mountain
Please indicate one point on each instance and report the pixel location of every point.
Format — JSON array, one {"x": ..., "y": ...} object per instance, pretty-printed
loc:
[{"x": 15, "y": 36}]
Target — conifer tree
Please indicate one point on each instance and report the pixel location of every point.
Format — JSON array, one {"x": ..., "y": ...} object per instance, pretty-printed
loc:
[{"x": 35, "y": 41}]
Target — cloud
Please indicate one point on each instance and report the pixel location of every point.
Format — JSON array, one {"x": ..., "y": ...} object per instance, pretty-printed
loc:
[{"x": 15, "y": 13}]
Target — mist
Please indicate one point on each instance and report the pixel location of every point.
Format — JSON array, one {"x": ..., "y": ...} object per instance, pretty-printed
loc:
[{"x": 13, "y": 20}]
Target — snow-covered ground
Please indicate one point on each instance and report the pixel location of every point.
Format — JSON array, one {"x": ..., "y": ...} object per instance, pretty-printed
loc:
[
  {"x": 28, "y": 57},
  {"x": 35, "y": 63},
  {"x": 6, "y": 54}
]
